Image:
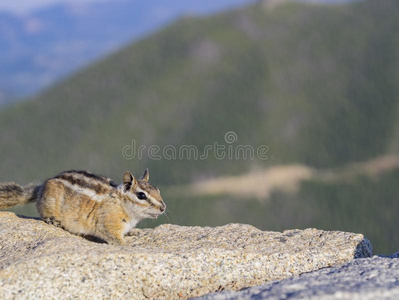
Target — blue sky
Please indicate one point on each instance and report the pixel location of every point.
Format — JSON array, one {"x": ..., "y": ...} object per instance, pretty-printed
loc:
[{"x": 23, "y": 6}]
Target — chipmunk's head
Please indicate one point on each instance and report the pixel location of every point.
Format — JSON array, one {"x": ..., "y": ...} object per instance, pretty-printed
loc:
[{"x": 147, "y": 198}]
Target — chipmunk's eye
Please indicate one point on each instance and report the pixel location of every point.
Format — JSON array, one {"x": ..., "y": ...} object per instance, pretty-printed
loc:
[{"x": 141, "y": 196}]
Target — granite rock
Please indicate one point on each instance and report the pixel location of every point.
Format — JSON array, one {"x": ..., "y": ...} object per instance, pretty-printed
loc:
[
  {"x": 366, "y": 278},
  {"x": 168, "y": 262}
]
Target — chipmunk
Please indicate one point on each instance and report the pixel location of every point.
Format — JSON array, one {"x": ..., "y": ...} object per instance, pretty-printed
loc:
[{"x": 87, "y": 204}]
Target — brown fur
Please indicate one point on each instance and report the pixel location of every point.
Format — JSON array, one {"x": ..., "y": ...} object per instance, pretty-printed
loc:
[{"x": 88, "y": 204}]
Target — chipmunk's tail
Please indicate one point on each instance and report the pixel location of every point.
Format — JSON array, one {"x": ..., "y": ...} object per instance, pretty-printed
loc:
[{"x": 12, "y": 194}]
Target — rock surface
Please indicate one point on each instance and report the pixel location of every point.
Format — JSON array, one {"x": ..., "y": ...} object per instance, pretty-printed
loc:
[
  {"x": 168, "y": 262},
  {"x": 366, "y": 278}
]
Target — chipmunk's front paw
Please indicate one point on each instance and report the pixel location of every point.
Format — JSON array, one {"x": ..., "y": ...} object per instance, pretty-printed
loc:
[{"x": 133, "y": 232}]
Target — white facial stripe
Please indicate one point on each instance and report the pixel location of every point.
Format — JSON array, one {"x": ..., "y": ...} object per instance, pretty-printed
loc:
[
  {"x": 84, "y": 191},
  {"x": 153, "y": 200},
  {"x": 139, "y": 190}
]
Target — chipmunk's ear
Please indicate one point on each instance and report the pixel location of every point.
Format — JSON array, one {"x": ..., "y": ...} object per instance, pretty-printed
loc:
[
  {"x": 146, "y": 175},
  {"x": 128, "y": 181}
]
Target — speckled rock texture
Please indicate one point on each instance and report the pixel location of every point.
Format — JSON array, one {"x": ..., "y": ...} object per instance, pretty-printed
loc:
[
  {"x": 366, "y": 278},
  {"x": 168, "y": 262}
]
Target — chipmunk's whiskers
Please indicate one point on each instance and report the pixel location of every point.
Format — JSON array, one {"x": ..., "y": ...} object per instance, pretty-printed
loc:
[{"x": 166, "y": 214}]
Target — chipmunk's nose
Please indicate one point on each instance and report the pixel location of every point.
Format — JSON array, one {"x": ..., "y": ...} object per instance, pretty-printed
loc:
[{"x": 163, "y": 207}]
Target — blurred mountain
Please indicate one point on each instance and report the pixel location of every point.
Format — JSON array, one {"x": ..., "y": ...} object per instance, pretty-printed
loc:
[
  {"x": 42, "y": 46},
  {"x": 317, "y": 84}
]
